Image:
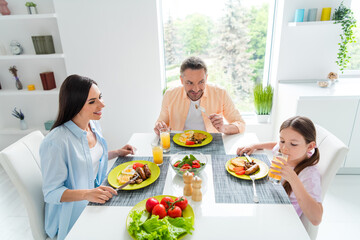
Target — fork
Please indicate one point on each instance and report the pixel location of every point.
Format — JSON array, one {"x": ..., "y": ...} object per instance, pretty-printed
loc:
[
  {"x": 201, "y": 109},
  {"x": 255, "y": 197}
]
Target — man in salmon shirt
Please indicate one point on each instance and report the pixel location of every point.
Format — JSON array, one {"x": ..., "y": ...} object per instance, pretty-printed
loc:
[{"x": 179, "y": 111}]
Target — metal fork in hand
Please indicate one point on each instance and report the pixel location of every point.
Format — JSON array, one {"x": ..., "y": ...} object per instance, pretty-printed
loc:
[
  {"x": 201, "y": 109},
  {"x": 255, "y": 197}
]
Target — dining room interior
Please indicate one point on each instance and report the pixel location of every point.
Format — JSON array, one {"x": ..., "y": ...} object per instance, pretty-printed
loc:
[{"x": 134, "y": 49}]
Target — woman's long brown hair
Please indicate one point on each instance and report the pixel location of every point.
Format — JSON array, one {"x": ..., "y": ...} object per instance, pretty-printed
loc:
[
  {"x": 306, "y": 128},
  {"x": 73, "y": 94}
]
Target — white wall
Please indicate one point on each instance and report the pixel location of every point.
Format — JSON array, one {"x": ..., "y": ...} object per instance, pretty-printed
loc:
[
  {"x": 304, "y": 52},
  {"x": 116, "y": 43}
]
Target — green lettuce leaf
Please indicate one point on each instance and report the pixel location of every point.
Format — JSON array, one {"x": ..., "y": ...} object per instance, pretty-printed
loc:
[{"x": 157, "y": 229}]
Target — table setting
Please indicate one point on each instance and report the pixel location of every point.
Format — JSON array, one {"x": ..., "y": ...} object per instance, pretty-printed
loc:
[{"x": 227, "y": 200}]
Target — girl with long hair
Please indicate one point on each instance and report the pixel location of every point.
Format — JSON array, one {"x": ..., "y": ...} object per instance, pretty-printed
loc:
[
  {"x": 300, "y": 176},
  {"x": 74, "y": 156}
]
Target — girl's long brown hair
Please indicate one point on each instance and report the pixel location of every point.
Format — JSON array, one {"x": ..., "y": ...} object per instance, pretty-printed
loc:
[
  {"x": 306, "y": 128},
  {"x": 73, "y": 94}
]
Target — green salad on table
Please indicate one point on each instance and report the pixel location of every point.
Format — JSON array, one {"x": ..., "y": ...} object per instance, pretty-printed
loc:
[{"x": 142, "y": 227}]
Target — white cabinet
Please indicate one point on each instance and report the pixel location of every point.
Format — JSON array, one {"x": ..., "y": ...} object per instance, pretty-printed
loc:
[{"x": 38, "y": 106}]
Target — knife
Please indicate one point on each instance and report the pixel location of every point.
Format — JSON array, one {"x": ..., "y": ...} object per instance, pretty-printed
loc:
[
  {"x": 247, "y": 157},
  {"x": 127, "y": 183}
]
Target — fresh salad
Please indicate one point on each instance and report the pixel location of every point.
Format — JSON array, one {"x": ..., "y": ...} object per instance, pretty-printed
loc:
[
  {"x": 189, "y": 163},
  {"x": 161, "y": 220}
]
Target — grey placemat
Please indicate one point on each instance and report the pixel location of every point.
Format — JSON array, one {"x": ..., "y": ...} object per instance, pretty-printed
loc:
[
  {"x": 132, "y": 197},
  {"x": 229, "y": 189},
  {"x": 215, "y": 147}
]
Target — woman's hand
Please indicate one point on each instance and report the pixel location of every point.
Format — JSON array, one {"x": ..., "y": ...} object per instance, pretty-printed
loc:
[
  {"x": 126, "y": 150},
  {"x": 100, "y": 194},
  {"x": 248, "y": 149}
]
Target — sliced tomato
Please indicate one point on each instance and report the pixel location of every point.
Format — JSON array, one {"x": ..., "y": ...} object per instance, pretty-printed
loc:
[
  {"x": 189, "y": 142},
  {"x": 135, "y": 165},
  {"x": 176, "y": 164},
  {"x": 196, "y": 165},
  {"x": 242, "y": 172},
  {"x": 238, "y": 169},
  {"x": 186, "y": 167}
]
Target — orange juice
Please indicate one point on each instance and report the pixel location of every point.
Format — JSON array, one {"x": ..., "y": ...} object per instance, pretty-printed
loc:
[
  {"x": 157, "y": 154},
  {"x": 272, "y": 176},
  {"x": 165, "y": 140}
]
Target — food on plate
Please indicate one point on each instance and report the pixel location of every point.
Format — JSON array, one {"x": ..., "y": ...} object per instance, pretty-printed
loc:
[
  {"x": 136, "y": 172},
  {"x": 241, "y": 166},
  {"x": 160, "y": 223},
  {"x": 198, "y": 137},
  {"x": 252, "y": 169},
  {"x": 238, "y": 162},
  {"x": 167, "y": 201},
  {"x": 181, "y": 202},
  {"x": 188, "y": 163},
  {"x": 151, "y": 203},
  {"x": 159, "y": 210},
  {"x": 191, "y": 137}
]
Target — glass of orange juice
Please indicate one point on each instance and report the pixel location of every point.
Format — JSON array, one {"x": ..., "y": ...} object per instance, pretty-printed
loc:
[
  {"x": 273, "y": 177},
  {"x": 157, "y": 152},
  {"x": 165, "y": 139}
]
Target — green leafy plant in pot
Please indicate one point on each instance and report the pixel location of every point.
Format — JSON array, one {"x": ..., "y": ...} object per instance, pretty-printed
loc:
[
  {"x": 345, "y": 17},
  {"x": 263, "y": 99}
]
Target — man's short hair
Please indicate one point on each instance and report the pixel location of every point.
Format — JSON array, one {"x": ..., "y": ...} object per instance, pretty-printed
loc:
[{"x": 194, "y": 63}]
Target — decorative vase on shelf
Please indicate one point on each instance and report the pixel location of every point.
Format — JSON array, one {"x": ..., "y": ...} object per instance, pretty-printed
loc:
[
  {"x": 18, "y": 84},
  {"x": 23, "y": 124}
]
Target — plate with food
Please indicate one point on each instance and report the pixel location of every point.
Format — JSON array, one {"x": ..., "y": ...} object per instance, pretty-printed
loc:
[
  {"x": 240, "y": 167},
  {"x": 144, "y": 173},
  {"x": 192, "y": 138},
  {"x": 168, "y": 216}
]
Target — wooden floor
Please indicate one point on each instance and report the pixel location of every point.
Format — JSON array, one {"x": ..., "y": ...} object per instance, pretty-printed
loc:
[{"x": 341, "y": 218}]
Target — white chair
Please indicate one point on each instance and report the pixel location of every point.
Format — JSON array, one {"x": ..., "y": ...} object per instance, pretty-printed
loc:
[
  {"x": 21, "y": 161},
  {"x": 332, "y": 155}
]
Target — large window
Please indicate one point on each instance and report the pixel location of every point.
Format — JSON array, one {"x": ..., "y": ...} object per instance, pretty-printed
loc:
[{"x": 229, "y": 35}]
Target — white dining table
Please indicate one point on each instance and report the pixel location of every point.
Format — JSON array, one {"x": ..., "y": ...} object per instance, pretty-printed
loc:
[{"x": 212, "y": 220}]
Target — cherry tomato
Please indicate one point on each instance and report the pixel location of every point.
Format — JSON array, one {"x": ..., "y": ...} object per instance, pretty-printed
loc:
[
  {"x": 176, "y": 164},
  {"x": 242, "y": 172},
  {"x": 167, "y": 201},
  {"x": 189, "y": 142},
  {"x": 174, "y": 212},
  {"x": 159, "y": 210},
  {"x": 182, "y": 204},
  {"x": 151, "y": 203},
  {"x": 135, "y": 165}
]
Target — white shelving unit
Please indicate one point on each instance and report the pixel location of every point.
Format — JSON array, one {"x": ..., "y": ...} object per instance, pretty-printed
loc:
[
  {"x": 315, "y": 23},
  {"x": 39, "y": 105}
]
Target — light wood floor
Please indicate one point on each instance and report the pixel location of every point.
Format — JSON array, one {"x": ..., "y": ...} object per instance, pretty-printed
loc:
[{"x": 341, "y": 218}]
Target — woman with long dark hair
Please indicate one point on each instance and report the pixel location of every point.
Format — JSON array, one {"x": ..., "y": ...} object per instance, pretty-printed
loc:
[
  {"x": 74, "y": 156},
  {"x": 301, "y": 178}
]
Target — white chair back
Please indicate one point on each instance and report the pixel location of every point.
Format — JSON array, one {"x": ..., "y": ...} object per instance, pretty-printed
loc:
[
  {"x": 332, "y": 155},
  {"x": 21, "y": 161}
]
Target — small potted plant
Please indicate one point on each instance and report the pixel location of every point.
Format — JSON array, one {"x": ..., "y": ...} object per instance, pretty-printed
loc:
[
  {"x": 31, "y": 7},
  {"x": 263, "y": 99},
  {"x": 20, "y": 115}
]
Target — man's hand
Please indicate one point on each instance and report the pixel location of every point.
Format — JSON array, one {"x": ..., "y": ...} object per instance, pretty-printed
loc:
[
  {"x": 159, "y": 125},
  {"x": 218, "y": 122}
]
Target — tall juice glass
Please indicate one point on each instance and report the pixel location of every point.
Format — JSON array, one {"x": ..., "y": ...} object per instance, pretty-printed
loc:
[
  {"x": 157, "y": 152},
  {"x": 273, "y": 177},
  {"x": 165, "y": 139}
]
